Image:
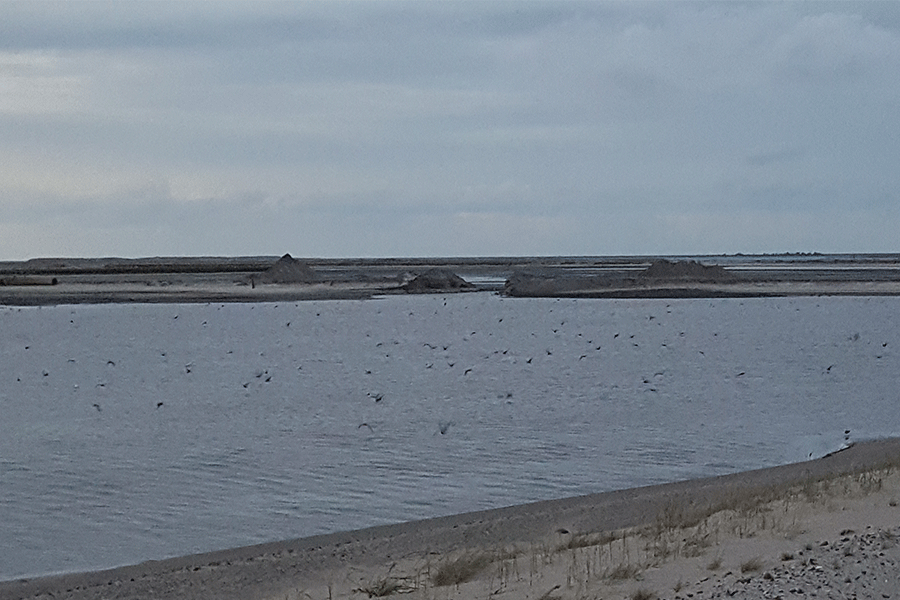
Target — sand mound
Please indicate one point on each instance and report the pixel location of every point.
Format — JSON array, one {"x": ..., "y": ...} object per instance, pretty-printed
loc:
[
  {"x": 686, "y": 269},
  {"x": 539, "y": 282},
  {"x": 437, "y": 280},
  {"x": 287, "y": 270}
]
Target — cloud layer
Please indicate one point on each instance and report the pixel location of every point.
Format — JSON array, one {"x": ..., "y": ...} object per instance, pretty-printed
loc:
[{"x": 434, "y": 129}]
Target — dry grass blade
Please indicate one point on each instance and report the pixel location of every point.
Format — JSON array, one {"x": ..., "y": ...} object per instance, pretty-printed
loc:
[
  {"x": 587, "y": 540},
  {"x": 386, "y": 587},
  {"x": 549, "y": 594}
]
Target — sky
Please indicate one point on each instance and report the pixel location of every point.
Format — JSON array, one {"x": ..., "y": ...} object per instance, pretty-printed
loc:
[{"x": 448, "y": 128}]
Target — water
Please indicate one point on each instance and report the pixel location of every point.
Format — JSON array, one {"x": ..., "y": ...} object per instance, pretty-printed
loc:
[{"x": 269, "y": 426}]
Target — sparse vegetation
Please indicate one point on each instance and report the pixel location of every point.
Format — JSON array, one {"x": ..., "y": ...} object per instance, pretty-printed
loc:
[
  {"x": 586, "y": 540},
  {"x": 623, "y": 571},
  {"x": 590, "y": 560},
  {"x": 752, "y": 565},
  {"x": 461, "y": 569},
  {"x": 643, "y": 594},
  {"x": 386, "y": 587},
  {"x": 870, "y": 482}
]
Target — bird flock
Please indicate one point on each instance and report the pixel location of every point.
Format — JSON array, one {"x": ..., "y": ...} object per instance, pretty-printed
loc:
[{"x": 611, "y": 351}]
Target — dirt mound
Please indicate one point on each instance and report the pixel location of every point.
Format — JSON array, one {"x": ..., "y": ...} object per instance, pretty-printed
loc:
[
  {"x": 287, "y": 270},
  {"x": 437, "y": 280},
  {"x": 686, "y": 270}
]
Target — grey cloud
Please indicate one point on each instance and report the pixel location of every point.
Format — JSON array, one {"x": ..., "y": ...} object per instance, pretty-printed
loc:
[
  {"x": 836, "y": 48},
  {"x": 584, "y": 118},
  {"x": 764, "y": 158}
]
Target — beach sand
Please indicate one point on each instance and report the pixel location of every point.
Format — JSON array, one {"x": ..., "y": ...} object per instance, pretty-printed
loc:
[{"x": 828, "y": 526}]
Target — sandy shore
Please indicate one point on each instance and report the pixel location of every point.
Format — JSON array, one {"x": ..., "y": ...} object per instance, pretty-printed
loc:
[{"x": 827, "y": 524}]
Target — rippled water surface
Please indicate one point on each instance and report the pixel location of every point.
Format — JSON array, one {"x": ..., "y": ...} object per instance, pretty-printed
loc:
[{"x": 130, "y": 432}]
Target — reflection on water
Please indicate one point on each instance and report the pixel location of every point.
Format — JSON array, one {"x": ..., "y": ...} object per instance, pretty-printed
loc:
[{"x": 286, "y": 420}]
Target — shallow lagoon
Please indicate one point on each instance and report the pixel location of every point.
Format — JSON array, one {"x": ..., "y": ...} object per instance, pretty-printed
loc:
[{"x": 269, "y": 426}]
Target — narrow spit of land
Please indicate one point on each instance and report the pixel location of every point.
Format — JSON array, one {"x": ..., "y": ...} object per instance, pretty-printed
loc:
[{"x": 258, "y": 279}]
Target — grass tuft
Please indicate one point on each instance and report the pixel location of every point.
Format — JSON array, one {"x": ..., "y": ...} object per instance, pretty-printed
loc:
[
  {"x": 643, "y": 594},
  {"x": 587, "y": 540},
  {"x": 622, "y": 572},
  {"x": 752, "y": 565},
  {"x": 461, "y": 569},
  {"x": 386, "y": 587}
]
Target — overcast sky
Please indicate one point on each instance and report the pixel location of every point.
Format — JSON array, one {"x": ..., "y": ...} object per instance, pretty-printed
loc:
[{"x": 448, "y": 128}]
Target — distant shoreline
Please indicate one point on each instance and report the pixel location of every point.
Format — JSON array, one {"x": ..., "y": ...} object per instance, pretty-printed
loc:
[{"x": 52, "y": 281}]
